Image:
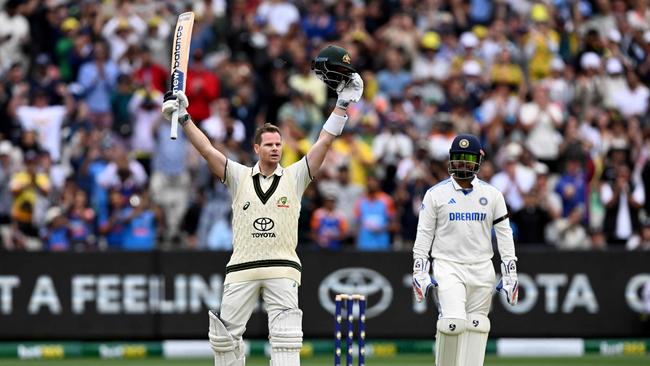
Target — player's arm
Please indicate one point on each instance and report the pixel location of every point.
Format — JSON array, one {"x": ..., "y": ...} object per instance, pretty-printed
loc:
[
  {"x": 503, "y": 231},
  {"x": 427, "y": 221},
  {"x": 347, "y": 93},
  {"x": 509, "y": 283},
  {"x": 215, "y": 158}
]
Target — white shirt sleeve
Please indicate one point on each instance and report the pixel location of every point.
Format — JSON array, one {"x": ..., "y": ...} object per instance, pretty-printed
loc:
[
  {"x": 234, "y": 173},
  {"x": 426, "y": 227},
  {"x": 639, "y": 195},
  {"x": 503, "y": 230},
  {"x": 301, "y": 175}
]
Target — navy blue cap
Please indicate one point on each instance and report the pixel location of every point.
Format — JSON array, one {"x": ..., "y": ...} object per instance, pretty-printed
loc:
[{"x": 466, "y": 143}]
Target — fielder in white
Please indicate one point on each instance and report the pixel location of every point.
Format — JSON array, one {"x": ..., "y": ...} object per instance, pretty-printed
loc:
[
  {"x": 266, "y": 206},
  {"x": 455, "y": 230}
]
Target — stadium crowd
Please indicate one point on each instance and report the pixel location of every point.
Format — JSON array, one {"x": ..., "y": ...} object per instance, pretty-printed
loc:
[{"x": 557, "y": 90}]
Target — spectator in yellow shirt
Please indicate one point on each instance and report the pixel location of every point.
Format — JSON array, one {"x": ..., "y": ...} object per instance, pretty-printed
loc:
[
  {"x": 26, "y": 185},
  {"x": 357, "y": 153}
]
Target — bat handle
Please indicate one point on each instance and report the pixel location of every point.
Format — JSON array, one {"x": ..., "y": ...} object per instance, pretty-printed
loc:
[{"x": 174, "y": 131}]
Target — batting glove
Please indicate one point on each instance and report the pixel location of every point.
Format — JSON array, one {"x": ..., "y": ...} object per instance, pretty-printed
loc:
[
  {"x": 422, "y": 280},
  {"x": 176, "y": 102},
  {"x": 509, "y": 284},
  {"x": 349, "y": 91}
]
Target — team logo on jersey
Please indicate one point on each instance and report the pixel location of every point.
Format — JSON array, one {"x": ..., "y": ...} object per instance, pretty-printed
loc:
[
  {"x": 464, "y": 143},
  {"x": 483, "y": 201},
  {"x": 282, "y": 202},
  {"x": 263, "y": 224},
  {"x": 246, "y": 205}
]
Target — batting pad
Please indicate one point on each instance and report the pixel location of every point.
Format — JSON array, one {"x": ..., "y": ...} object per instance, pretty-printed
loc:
[
  {"x": 449, "y": 341},
  {"x": 227, "y": 352},
  {"x": 285, "y": 336},
  {"x": 476, "y": 336}
]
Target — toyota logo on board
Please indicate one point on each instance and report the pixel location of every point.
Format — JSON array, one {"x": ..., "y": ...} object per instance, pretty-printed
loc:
[
  {"x": 263, "y": 224},
  {"x": 357, "y": 280}
]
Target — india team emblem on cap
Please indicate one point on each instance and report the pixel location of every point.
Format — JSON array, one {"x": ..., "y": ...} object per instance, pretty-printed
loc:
[
  {"x": 482, "y": 201},
  {"x": 346, "y": 59},
  {"x": 464, "y": 143}
]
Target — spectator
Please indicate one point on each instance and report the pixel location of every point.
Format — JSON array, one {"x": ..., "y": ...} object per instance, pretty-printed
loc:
[
  {"x": 112, "y": 222},
  {"x": 140, "y": 224},
  {"x": 28, "y": 186},
  {"x": 151, "y": 75},
  {"x": 278, "y": 15},
  {"x": 328, "y": 225},
  {"x": 202, "y": 88},
  {"x": 392, "y": 145},
  {"x": 350, "y": 150},
  {"x": 14, "y": 35},
  {"x": 541, "y": 120},
  {"x": 98, "y": 79},
  {"x": 633, "y": 100},
  {"x": 307, "y": 84},
  {"x": 317, "y": 23},
  {"x": 47, "y": 120},
  {"x": 57, "y": 236},
  {"x": 124, "y": 173},
  {"x": 531, "y": 220},
  {"x": 344, "y": 191},
  {"x": 375, "y": 213},
  {"x": 568, "y": 233},
  {"x": 144, "y": 108},
  {"x": 170, "y": 186},
  {"x": 515, "y": 180},
  {"x": 6, "y": 171},
  {"x": 214, "y": 231},
  {"x": 622, "y": 200},
  {"x": 572, "y": 188},
  {"x": 393, "y": 79},
  {"x": 301, "y": 112},
  {"x": 81, "y": 218}
]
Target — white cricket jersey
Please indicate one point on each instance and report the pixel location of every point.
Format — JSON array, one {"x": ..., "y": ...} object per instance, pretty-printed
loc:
[
  {"x": 265, "y": 221},
  {"x": 456, "y": 224}
]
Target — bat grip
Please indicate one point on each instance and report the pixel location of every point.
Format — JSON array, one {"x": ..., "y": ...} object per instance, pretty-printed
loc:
[{"x": 174, "y": 131}]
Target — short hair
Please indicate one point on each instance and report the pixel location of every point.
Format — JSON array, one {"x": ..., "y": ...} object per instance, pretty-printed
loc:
[{"x": 267, "y": 127}]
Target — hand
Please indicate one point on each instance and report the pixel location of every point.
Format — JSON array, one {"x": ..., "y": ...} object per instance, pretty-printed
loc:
[
  {"x": 422, "y": 280},
  {"x": 349, "y": 91},
  {"x": 509, "y": 284},
  {"x": 175, "y": 102}
]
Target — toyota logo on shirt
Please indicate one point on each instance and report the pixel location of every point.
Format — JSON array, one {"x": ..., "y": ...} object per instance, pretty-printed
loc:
[{"x": 263, "y": 224}]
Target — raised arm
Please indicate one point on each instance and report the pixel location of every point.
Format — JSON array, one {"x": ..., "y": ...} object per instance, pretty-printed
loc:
[
  {"x": 347, "y": 93},
  {"x": 215, "y": 158}
]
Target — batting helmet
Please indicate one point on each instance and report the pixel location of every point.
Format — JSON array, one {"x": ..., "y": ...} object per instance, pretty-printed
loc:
[
  {"x": 465, "y": 157},
  {"x": 333, "y": 65}
]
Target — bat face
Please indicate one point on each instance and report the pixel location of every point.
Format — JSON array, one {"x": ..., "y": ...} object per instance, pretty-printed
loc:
[
  {"x": 180, "y": 56},
  {"x": 180, "y": 51}
]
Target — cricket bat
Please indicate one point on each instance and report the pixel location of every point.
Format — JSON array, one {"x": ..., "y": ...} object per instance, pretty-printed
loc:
[{"x": 180, "y": 57}]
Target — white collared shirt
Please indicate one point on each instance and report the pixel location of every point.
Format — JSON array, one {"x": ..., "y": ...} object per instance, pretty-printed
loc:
[
  {"x": 235, "y": 171},
  {"x": 456, "y": 224}
]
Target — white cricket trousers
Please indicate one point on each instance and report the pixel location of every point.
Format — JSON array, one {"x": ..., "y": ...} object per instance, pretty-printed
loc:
[
  {"x": 240, "y": 298},
  {"x": 463, "y": 288}
]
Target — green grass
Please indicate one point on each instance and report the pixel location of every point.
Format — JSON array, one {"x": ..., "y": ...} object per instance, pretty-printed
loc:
[{"x": 406, "y": 360}]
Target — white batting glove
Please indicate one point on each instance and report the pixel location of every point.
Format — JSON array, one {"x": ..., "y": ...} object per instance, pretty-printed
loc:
[
  {"x": 509, "y": 284},
  {"x": 175, "y": 102},
  {"x": 422, "y": 280},
  {"x": 349, "y": 91}
]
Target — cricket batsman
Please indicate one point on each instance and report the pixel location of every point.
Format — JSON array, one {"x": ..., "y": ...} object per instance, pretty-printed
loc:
[
  {"x": 455, "y": 231},
  {"x": 266, "y": 206}
]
